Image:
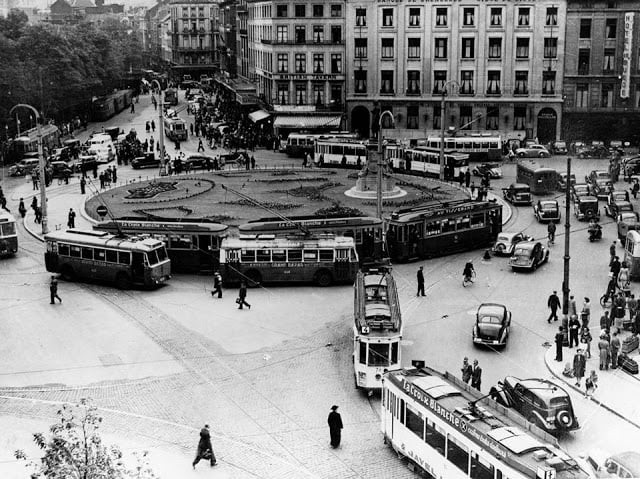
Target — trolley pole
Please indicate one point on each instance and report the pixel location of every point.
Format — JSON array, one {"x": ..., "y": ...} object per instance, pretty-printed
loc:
[
  {"x": 567, "y": 234},
  {"x": 163, "y": 160}
]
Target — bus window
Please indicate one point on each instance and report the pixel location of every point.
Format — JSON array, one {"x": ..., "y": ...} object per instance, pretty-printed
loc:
[
  {"x": 493, "y": 144},
  {"x": 358, "y": 237},
  {"x": 99, "y": 255},
  {"x": 75, "y": 251},
  {"x": 310, "y": 255},
  {"x": 112, "y": 256},
  {"x": 342, "y": 254},
  {"x": 294, "y": 255},
  {"x": 231, "y": 255},
  {"x": 477, "y": 221},
  {"x": 87, "y": 253},
  {"x": 326, "y": 255},
  {"x": 279, "y": 255},
  {"x": 63, "y": 249},
  {"x": 477, "y": 145},
  {"x": 353, "y": 255},
  {"x": 152, "y": 257},
  {"x": 248, "y": 256},
  {"x": 363, "y": 353},
  {"x": 394, "y": 352},
  {"x": 378, "y": 354},
  {"x": 162, "y": 253},
  {"x": 124, "y": 257},
  {"x": 458, "y": 454},
  {"x": 8, "y": 229},
  {"x": 434, "y": 437},
  {"x": 263, "y": 255}
]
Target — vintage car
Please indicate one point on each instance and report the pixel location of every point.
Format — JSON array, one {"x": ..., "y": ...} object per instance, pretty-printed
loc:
[
  {"x": 85, "y": 162},
  {"x": 533, "y": 151},
  {"x": 539, "y": 401},
  {"x": 558, "y": 147},
  {"x": 627, "y": 221},
  {"x": 586, "y": 208},
  {"x": 493, "y": 322},
  {"x": 580, "y": 189},
  {"x": 617, "y": 202},
  {"x": 547, "y": 210},
  {"x": 25, "y": 166},
  {"x": 594, "y": 151},
  {"x": 60, "y": 169},
  {"x": 595, "y": 175},
  {"x": 149, "y": 160},
  {"x": 601, "y": 188},
  {"x": 528, "y": 255},
  {"x": 630, "y": 167},
  {"x": 198, "y": 162},
  {"x": 506, "y": 242},
  {"x": 493, "y": 169},
  {"x": 517, "y": 194},
  {"x": 562, "y": 181}
]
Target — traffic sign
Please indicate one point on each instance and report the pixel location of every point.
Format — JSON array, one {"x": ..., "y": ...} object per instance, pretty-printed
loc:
[{"x": 102, "y": 211}]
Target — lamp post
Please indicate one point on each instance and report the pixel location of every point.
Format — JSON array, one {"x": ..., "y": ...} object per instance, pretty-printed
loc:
[
  {"x": 567, "y": 257},
  {"x": 443, "y": 106},
  {"x": 163, "y": 161},
  {"x": 43, "y": 186},
  {"x": 381, "y": 162}
]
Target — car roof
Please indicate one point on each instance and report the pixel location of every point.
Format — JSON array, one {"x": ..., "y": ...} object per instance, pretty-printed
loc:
[
  {"x": 548, "y": 202},
  {"x": 542, "y": 387},
  {"x": 519, "y": 185},
  {"x": 527, "y": 244},
  {"x": 491, "y": 309}
]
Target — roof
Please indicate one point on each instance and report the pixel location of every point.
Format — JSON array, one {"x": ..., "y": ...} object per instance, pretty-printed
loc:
[
  {"x": 82, "y": 3},
  {"x": 5, "y": 217},
  {"x": 259, "y": 115},
  {"x": 542, "y": 387},
  {"x": 491, "y": 309},
  {"x": 376, "y": 304},
  {"x": 308, "y": 121},
  {"x": 165, "y": 226},
  {"x": 104, "y": 239},
  {"x": 630, "y": 460},
  {"x": 267, "y": 241}
]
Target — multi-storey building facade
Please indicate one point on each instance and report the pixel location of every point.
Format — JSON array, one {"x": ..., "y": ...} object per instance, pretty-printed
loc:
[
  {"x": 227, "y": 42},
  {"x": 500, "y": 63},
  {"x": 242, "y": 40},
  {"x": 602, "y": 71}
]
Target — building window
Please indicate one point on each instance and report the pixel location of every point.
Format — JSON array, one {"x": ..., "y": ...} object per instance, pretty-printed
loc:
[
  {"x": 318, "y": 94},
  {"x": 387, "y": 17},
  {"x": 300, "y": 10},
  {"x": 282, "y": 11},
  {"x": 524, "y": 19},
  {"x": 437, "y": 117},
  {"x": 552, "y": 16},
  {"x": 550, "y": 47},
  {"x": 283, "y": 62},
  {"x": 414, "y": 47},
  {"x": 468, "y": 17},
  {"x": 336, "y": 94},
  {"x": 606, "y": 95},
  {"x": 493, "y": 118},
  {"x": 361, "y": 47},
  {"x": 336, "y": 63},
  {"x": 585, "y": 28},
  {"x": 496, "y": 17},
  {"x": 318, "y": 33},
  {"x": 301, "y": 34},
  {"x": 414, "y": 17},
  {"x": 611, "y": 27},
  {"x": 301, "y": 63},
  {"x": 318, "y": 11},
  {"x": 468, "y": 47},
  {"x": 522, "y": 83},
  {"x": 495, "y": 47},
  {"x": 301, "y": 93},
  {"x": 609, "y": 59},
  {"x": 283, "y": 93},
  {"x": 522, "y": 47},
  {"x": 336, "y": 10},
  {"x": 439, "y": 79},
  {"x": 412, "y": 117},
  {"x": 336, "y": 34},
  {"x": 440, "y": 48},
  {"x": 466, "y": 117},
  {"x": 387, "y": 48},
  {"x": 318, "y": 63},
  {"x": 360, "y": 77},
  {"x": 582, "y": 95},
  {"x": 282, "y": 32},
  {"x": 386, "y": 81},
  {"x": 413, "y": 82},
  {"x": 584, "y": 56},
  {"x": 493, "y": 82},
  {"x": 361, "y": 17},
  {"x": 466, "y": 83},
  {"x": 548, "y": 83},
  {"x": 519, "y": 117},
  {"x": 441, "y": 17}
]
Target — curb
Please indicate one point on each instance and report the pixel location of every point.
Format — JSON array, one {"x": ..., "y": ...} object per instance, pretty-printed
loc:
[{"x": 37, "y": 236}]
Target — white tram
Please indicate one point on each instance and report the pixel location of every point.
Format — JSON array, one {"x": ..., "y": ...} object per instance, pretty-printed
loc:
[
  {"x": 343, "y": 152},
  {"x": 377, "y": 328},
  {"x": 426, "y": 162},
  {"x": 438, "y": 423}
]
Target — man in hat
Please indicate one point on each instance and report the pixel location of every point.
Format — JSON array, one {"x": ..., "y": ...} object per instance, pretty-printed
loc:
[
  {"x": 217, "y": 285},
  {"x": 335, "y": 426},
  {"x": 53, "y": 289},
  {"x": 467, "y": 370},
  {"x": 553, "y": 303},
  {"x": 205, "y": 449}
]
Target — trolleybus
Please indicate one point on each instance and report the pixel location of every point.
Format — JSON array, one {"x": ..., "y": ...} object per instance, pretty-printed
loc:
[
  {"x": 426, "y": 162},
  {"x": 8, "y": 234},
  {"x": 321, "y": 259},
  {"x": 541, "y": 180},
  {"x": 479, "y": 148},
  {"x": 452, "y": 431},
  {"x": 97, "y": 255},
  {"x": 193, "y": 246},
  {"x": 440, "y": 228},
  {"x": 377, "y": 328},
  {"x": 344, "y": 152},
  {"x": 175, "y": 128}
]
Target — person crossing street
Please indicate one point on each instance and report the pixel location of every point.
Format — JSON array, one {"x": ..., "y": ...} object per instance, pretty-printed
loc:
[
  {"x": 420, "y": 277},
  {"x": 53, "y": 290},
  {"x": 553, "y": 303}
]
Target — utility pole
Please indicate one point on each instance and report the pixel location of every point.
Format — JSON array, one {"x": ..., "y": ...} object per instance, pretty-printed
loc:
[
  {"x": 381, "y": 163},
  {"x": 163, "y": 160},
  {"x": 443, "y": 107},
  {"x": 567, "y": 231}
]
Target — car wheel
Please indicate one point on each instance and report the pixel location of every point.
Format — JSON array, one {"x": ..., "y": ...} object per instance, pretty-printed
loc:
[
  {"x": 500, "y": 249},
  {"x": 564, "y": 419},
  {"x": 521, "y": 155},
  {"x": 542, "y": 155}
]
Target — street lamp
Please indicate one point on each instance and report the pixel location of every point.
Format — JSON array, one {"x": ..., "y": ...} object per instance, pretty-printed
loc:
[
  {"x": 381, "y": 162},
  {"x": 43, "y": 186},
  {"x": 443, "y": 106},
  {"x": 163, "y": 165}
]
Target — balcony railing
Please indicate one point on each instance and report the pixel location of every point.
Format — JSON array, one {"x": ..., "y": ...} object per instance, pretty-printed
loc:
[
  {"x": 413, "y": 92},
  {"x": 265, "y": 41},
  {"x": 387, "y": 92}
]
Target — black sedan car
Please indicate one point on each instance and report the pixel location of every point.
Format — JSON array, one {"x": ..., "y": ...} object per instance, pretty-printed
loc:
[
  {"x": 547, "y": 210},
  {"x": 601, "y": 188},
  {"x": 617, "y": 202},
  {"x": 529, "y": 255},
  {"x": 517, "y": 194},
  {"x": 598, "y": 151},
  {"x": 198, "y": 162},
  {"x": 493, "y": 322},
  {"x": 492, "y": 169}
]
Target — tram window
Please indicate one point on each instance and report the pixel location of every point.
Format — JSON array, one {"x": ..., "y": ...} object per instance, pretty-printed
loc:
[
  {"x": 124, "y": 257},
  {"x": 87, "y": 253},
  {"x": 75, "y": 251},
  {"x": 294, "y": 255},
  {"x": 63, "y": 249},
  {"x": 448, "y": 225},
  {"x": 432, "y": 228},
  {"x": 480, "y": 468},
  {"x": 326, "y": 255},
  {"x": 363, "y": 353},
  {"x": 458, "y": 454},
  {"x": 162, "y": 254},
  {"x": 263, "y": 255},
  {"x": 99, "y": 255},
  {"x": 378, "y": 355},
  {"x": 310, "y": 255},
  {"x": 394, "y": 352},
  {"x": 248, "y": 255},
  {"x": 8, "y": 229},
  {"x": 401, "y": 411},
  {"x": 415, "y": 423},
  {"x": 463, "y": 223},
  {"x": 181, "y": 241},
  {"x": 493, "y": 144},
  {"x": 279, "y": 255},
  {"x": 358, "y": 237},
  {"x": 434, "y": 437},
  {"x": 161, "y": 237},
  {"x": 112, "y": 256},
  {"x": 415, "y": 231},
  {"x": 477, "y": 221}
]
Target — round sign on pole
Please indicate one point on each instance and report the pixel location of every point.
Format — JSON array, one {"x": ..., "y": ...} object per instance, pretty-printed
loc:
[{"x": 102, "y": 211}]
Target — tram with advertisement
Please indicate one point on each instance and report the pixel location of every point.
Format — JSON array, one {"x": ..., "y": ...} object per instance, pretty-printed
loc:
[
  {"x": 343, "y": 152},
  {"x": 425, "y": 161},
  {"x": 541, "y": 180},
  {"x": 8, "y": 234},
  {"x": 193, "y": 246},
  {"x": 450, "y": 430},
  {"x": 479, "y": 148},
  {"x": 441, "y": 228},
  {"x": 377, "y": 328}
]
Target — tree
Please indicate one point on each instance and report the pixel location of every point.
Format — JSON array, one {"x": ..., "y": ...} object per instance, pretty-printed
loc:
[
  {"x": 13, "y": 24},
  {"x": 74, "y": 449}
]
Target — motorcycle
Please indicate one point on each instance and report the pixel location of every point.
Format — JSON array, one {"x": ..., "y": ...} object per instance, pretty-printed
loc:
[{"x": 595, "y": 234}]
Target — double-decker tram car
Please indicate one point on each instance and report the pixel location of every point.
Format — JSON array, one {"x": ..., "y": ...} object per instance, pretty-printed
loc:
[
  {"x": 377, "y": 328},
  {"x": 452, "y": 431},
  {"x": 343, "y": 152},
  {"x": 322, "y": 259},
  {"x": 425, "y": 161},
  {"x": 441, "y": 228},
  {"x": 97, "y": 255},
  {"x": 8, "y": 234}
]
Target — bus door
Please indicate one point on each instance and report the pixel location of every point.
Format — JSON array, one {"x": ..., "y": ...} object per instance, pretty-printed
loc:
[
  {"x": 342, "y": 266},
  {"x": 137, "y": 267},
  {"x": 207, "y": 249}
]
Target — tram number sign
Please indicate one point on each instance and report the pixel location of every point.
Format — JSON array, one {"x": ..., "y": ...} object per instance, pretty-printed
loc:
[{"x": 102, "y": 211}]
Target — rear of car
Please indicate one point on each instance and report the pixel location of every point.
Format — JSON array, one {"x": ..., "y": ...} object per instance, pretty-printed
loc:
[
  {"x": 491, "y": 328},
  {"x": 548, "y": 211},
  {"x": 522, "y": 257},
  {"x": 586, "y": 208},
  {"x": 520, "y": 194}
]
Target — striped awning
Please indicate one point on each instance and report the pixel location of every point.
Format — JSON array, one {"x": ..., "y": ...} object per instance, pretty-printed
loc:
[
  {"x": 258, "y": 115},
  {"x": 307, "y": 121}
]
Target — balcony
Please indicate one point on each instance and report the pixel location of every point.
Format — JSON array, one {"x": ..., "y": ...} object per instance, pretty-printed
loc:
[
  {"x": 412, "y": 92},
  {"x": 293, "y": 42},
  {"x": 191, "y": 49},
  {"x": 521, "y": 92},
  {"x": 387, "y": 92}
]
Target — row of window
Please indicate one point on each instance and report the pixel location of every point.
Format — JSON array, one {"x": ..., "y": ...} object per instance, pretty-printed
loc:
[
  {"x": 283, "y": 255},
  {"x": 283, "y": 94},
  {"x": 424, "y": 229},
  {"x": 301, "y": 63},
  {"x": 109, "y": 255},
  {"x": 608, "y": 60},
  {"x": 282, "y": 34},
  {"x": 610, "y": 28},
  {"x": 379, "y": 354},
  {"x": 606, "y": 91},
  {"x": 192, "y": 11},
  {"x": 300, "y": 10}
]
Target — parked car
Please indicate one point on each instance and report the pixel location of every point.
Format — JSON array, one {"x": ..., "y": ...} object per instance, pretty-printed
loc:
[
  {"x": 594, "y": 151},
  {"x": 547, "y": 210},
  {"x": 623, "y": 465},
  {"x": 576, "y": 146},
  {"x": 85, "y": 162},
  {"x": 24, "y": 167},
  {"x": 517, "y": 194},
  {"x": 60, "y": 169},
  {"x": 103, "y": 154},
  {"x": 627, "y": 221},
  {"x": 529, "y": 255},
  {"x": 595, "y": 175},
  {"x": 562, "y": 181},
  {"x": 198, "y": 162},
  {"x": 617, "y": 202},
  {"x": 493, "y": 322},
  {"x": 601, "y": 188},
  {"x": 507, "y": 241},
  {"x": 533, "y": 151},
  {"x": 540, "y": 401},
  {"x": 558, "y": 147},
  {"x": 60, "y": 154},
  {"x": 493, "y": 169},
  {"x": 630, "y": 167},
  {"x": 149, "y": 160},
  {"x": 586, "y": 208}
]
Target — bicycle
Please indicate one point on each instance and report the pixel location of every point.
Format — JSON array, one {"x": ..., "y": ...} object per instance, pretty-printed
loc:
[{"x": 468, "y": 279}]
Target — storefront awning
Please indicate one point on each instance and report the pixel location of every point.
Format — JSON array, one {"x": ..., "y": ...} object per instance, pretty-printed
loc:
[
  {"x": 258, "y": 115},
  {"x": 307, "y": 121}
]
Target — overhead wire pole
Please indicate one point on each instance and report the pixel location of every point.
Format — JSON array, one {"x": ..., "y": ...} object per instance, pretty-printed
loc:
[
  {"x": 443, "y": 107},
  {"x": 567, "y": 257},
  {"x": 163, "y": 160},
  {"x": 381, "y": 163}
]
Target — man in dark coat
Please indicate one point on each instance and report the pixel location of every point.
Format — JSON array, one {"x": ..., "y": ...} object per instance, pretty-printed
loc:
[
  {"x": 467, "y": 178},
  {"x": 476, "y": 375},
  {"x": 574, "y": 329},
  {"x": 205, "y": 449},
  {"x": 559, "y": 339},
  {"x": 217, "y": 285},
  {"x": 553, "y": 303},
  {"x": 615, "y": 267},
  {"x": 53, "y": 290},
  {"x": 335, "y": 426},
  {"x": 420, "y": 276},
  {"x": 242, "y": 296}
]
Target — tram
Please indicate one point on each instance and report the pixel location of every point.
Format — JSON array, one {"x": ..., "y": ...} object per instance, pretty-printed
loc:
[
  {"x": 478, "y": 147},
  {"x": 426, "y": 162},
  {"x": 8, "y": 234},
  {"x": 377, "y": 328}
]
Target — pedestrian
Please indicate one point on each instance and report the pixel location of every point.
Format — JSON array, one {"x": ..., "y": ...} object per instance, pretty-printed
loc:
[
  {"x": 335, "y": 426},
  {"x": 38, "y": 214},
  {"x": 605, "y": 321},
  {"x": 309, "y": 159},
  {"x": 467, "y": 178},
  {"x": 574, "y": 329},
  {"x": 472, "y": 189},
  {"x": 191, "y": 128},
  {"x": 612, "y": 252},
  {"x": 615, "y": 267},
  {"x": 34, "y": 204},
  {"x": 153, "y": 126},
  {"x": 420, "y": 276},
  {"x": 34, "y": 180},
  {"x": 205, "y": 449},
  {"x": 83, "y": 185},
  {"x": 579, "y": 366},
  {"x": 242, "y": 296},
  {"x": 551, "y": 232},
  {"x": 615, "y": 348},
  {"x": 603, "y": 351},
  {"x": 461, "y": 178},
  {"x": 217, "y": 285},
  {"x": 591, "y": 383},
  {"x": 53, "y": 290},
  {"x": 476, "y": 375},
  {"x": 3, "y": 203},
  {"x": 586, "y": 338},
  {"x": 559, "y": 339},
  {"x": 253, "y": 162},
  {"x": 586, "y": 312},
  {"x": 635, "y": 188},
  {"x": 147, "y": 127},
  {"x": 21, "y": 208},
  {"x": 466, "y": 369},
  {"x": 618, "y": 311},
  {"x": 133, "y": 108},
  {"x": 71, "y": 218},
  {"x": 114, "y": 174},
  {"x": 553, "y": 303},
  {"x": 102, "y": 180},
  {"x": 95, "y": 171},
  {"x": 573, "y": 308}
]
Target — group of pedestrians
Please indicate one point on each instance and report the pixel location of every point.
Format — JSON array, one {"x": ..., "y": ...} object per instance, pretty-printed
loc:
[
  {"x": 241, "y": 300},
  {"x": 471, "y": 373}
]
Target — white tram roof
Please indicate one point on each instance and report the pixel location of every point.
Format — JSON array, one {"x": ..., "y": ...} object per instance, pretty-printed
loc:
[
  {"x": 103, "y": 239},
  {"x": 6, "y": 217},
  {"x": 376, "y": 304},
  {"x": 273, "y": 241}
]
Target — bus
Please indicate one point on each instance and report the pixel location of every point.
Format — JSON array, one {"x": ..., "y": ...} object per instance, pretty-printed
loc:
[
  {"x": 193, "y": 246},
  {"x": 377, "y": 328},
  {"x": 97, "y": 255},
  {"x": 321, "y": 259},
  {"x": 175, "y": 128},
  {"x": 365, "y": 230},
  {"x": 8, "y": 234},
  {"x": 342, "y": 152},
  {"x": 171, "y": 96},
  {"x": 425, "y": 161},
  {"x": 541, "y": 180},
  {"x": 299, "y": 144},
  {"x": 479, "y": 148},
  {"x": 450, "y": 430},
  {"x": 441, "y": 228}
]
